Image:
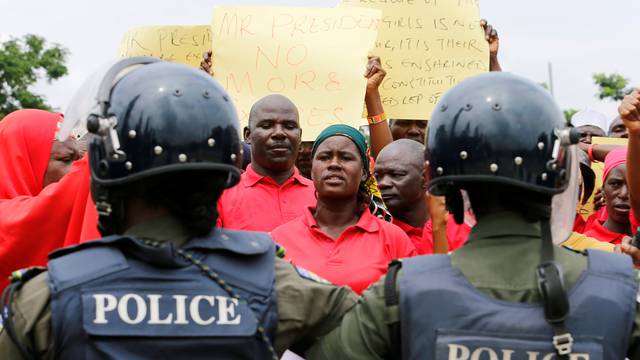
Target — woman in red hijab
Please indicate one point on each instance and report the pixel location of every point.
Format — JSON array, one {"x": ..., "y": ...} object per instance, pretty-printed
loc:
[
  {"x": 42, "y": 190},
  {"x": 617, "y": 224}
]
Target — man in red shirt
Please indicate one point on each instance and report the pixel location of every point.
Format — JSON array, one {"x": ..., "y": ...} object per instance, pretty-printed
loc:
[
  {"x": 398, "y": 170},
  {"x": 271, "y": 191}
]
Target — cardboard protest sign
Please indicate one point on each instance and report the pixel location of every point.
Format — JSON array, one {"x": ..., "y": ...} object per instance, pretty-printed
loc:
[
  {"x": 181, "y": 44},
  {"x": 426, "y": 47},
  {"x": 315, "y": 56}
]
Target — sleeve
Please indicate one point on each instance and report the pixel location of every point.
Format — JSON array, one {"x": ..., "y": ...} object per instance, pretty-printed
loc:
[
  {"x": 31, "y": 320},
  {"x": 307, "y": 308},
  {"x": 364, "y": 331}
]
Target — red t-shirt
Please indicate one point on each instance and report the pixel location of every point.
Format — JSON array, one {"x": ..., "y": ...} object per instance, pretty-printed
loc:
[
  {"x": 456, "y": 234},
  {"x": 415, "y": 234},
  {"x": 258, "y": 203},
  {"x": 357, "y": 258}
]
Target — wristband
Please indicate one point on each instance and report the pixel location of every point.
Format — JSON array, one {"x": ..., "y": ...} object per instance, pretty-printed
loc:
[
  {"x": 590, "y": 152},
  {"x": 377, "y": 119}
]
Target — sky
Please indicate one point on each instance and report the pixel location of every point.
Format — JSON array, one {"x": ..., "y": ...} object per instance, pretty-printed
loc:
[{"x": 578, "y": 37}]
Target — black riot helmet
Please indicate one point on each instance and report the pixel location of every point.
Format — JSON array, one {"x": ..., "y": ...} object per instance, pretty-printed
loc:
[
  {"x": 498, "y": 128},
  {"x": 147, "y": 117}
]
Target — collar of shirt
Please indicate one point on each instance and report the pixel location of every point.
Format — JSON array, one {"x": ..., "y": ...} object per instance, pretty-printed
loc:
[
  {"x": 251, "y": 178},
  {"x": 408, "y": 228},
  {"x": 493, "y": 226},
  {"x": 162, "y": 229},
  {"x": 598, "y": 231},
  {"x": 367, "y": 221}
]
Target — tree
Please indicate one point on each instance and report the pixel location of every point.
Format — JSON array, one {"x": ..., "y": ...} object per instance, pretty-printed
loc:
[
  {"x": 22, "y": 62},
  {"x": 568, "y": 114},
  {"x": 613, "y": 86}
]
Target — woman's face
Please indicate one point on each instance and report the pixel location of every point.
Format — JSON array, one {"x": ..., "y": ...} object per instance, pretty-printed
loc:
[
  {"x": 616, "y": 195},
  {"x": 336, "y": 168},
  {"x": 62, "y": 155}
]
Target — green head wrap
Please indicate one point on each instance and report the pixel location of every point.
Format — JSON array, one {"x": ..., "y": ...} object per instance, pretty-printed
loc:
[{"x": 348, "y": 132}]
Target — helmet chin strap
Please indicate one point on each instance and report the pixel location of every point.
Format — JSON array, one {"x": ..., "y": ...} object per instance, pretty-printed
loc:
[
  {"x": 455, "y": 204},
  {"x": 551, "y": 287}
]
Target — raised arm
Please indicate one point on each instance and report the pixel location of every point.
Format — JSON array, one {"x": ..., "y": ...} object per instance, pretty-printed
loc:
[{"x": 378, "y": 124}]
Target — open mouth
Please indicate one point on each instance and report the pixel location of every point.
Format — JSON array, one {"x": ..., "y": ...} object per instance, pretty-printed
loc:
[
  {"x": 333, "y": 179},
  {"x": 622, "y": 207}
]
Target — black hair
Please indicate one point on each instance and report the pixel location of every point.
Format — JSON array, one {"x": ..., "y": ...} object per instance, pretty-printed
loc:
[
  {"x": 490, "y": 197},
  {"x": 189, "y": 196}
]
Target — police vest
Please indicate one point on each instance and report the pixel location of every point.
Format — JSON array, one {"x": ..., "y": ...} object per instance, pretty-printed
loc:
[
  {"x": 444, "y": 317},
  {"x": 118, "y": 298}
]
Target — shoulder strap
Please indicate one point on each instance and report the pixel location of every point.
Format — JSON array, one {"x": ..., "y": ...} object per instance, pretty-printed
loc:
[
  {"x": 391, "y": 298},
  {"x": 18, "y": 279}
]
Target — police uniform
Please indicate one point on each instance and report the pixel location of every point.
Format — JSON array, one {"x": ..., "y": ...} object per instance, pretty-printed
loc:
[
  {"x": 305, "y": 308},
  {"x": 510, "y": 293}
]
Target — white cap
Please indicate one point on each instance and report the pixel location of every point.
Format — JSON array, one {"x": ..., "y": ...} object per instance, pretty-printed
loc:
[{"x": 590, "y": 117}]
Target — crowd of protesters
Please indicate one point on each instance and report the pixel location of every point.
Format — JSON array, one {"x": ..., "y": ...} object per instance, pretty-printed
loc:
[{"x": 342, "y": 207}]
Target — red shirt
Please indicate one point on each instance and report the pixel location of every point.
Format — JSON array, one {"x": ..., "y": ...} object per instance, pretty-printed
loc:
[
  {"x": 357, "y": 258},
  {"x": 258, "y": 203},
  {"x": 597, "y": 231},
  {"x": 423, "y": 246},
  {"x": 456, "y": 234}
]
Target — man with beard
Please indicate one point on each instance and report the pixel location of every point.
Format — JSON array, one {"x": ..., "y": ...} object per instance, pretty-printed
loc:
[{"x": 271, "y": 191}]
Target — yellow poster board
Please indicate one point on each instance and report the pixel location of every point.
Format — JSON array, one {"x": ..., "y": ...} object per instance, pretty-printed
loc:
[
  {"x": 426, "y": 47},
  {"x": 317, "y": 57},
  {"x": 181, "y": 44},
  {"x": 587, "y": 209}
]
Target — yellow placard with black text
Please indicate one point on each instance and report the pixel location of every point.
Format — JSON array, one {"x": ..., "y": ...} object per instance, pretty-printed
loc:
[
  {"x": 180, "y": 44},
  {"x": 315, "y": 56},
  {"x": 426, "y": 47}
]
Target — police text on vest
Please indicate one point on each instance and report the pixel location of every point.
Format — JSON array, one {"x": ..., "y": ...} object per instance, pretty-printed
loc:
[{"x": 134, "y": 309}]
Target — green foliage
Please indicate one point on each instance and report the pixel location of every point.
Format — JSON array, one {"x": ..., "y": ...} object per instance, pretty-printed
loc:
[
  {"x": 22, "y": 62},
  {"x": 613, "y": 86},
  {"x": 568, "y": 114}
]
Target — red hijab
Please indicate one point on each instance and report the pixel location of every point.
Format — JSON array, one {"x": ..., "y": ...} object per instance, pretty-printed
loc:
[
  {"x": 35, "y": 221},
  {"x": 25, "y": 147}
]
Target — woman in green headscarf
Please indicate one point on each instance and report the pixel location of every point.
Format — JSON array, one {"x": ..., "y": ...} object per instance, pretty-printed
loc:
[{"x": 339, "y": 239}]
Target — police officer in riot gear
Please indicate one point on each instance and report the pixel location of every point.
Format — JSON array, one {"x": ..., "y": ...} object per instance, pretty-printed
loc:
[
  {"x": 163, "y": 144},
  {"x": 509, "y": 293}
]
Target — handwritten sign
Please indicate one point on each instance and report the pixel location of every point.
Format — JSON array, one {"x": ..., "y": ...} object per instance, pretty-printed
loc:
[
  {"x": 426, "y": 46},
  {"x": 181, "y": 44},
  {"x": 315, "y": 56}
]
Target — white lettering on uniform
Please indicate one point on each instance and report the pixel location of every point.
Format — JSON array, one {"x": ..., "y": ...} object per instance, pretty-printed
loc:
[
  {"x": 154, "y": 311},
  {"x": 506, "y": 354},
  {"x": 104, "y": 303},
  {"x": 226, "y": 310},
  {"x": 181, "y": 309},
  {"x": 141, "y": 308},
  {"x": 458, "y": 352},
  {"x": 151, "y": 305},
  {"x": 194, "y": 310},
  {"x": 477, "y": 353}
]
